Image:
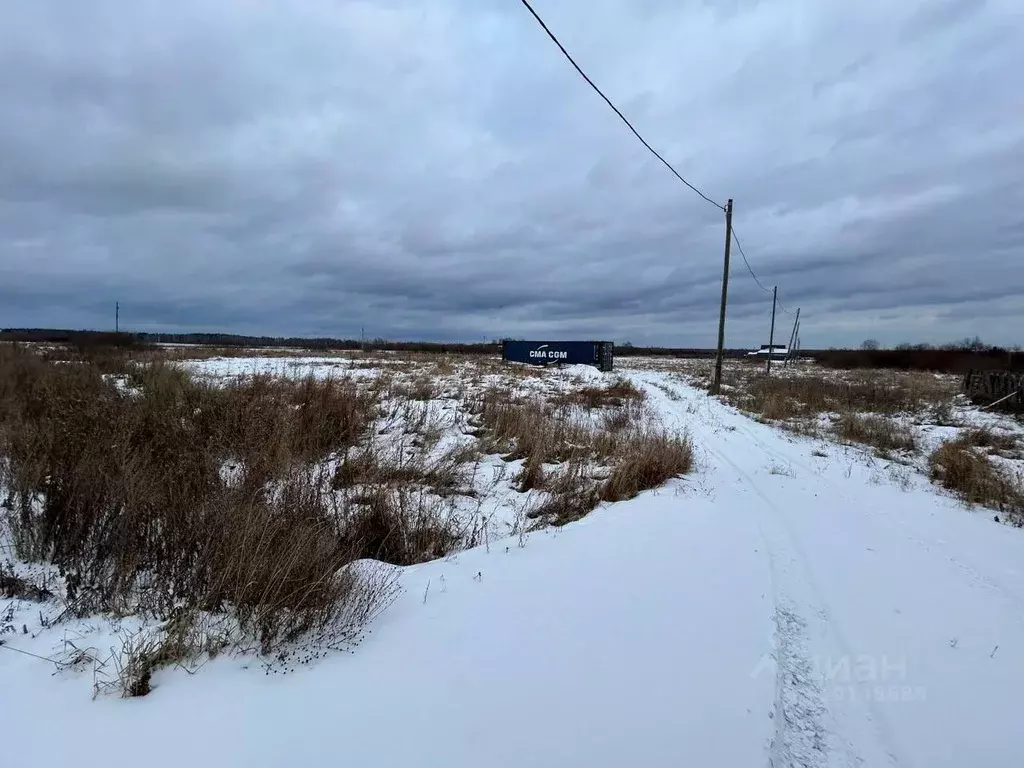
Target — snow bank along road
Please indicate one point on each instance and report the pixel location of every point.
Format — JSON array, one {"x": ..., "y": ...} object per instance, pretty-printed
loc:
[{"x": 776, "y": 608}]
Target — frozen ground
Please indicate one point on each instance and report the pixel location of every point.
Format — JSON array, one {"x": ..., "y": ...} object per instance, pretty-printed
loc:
[{"x": 775, "y": 608}]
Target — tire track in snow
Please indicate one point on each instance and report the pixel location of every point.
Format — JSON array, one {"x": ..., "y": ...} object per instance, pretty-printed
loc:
[
  {"x": 935, "y": 549},
  {"x": 799, "y": 737},
  {"x": 799, "y": 712}
]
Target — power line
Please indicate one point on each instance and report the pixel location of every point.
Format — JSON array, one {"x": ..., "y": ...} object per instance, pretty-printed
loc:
[
  {"x": 616, "y": 109},
  {"x": 622, "y": 117},
  {"x": 739, "y": 247}
]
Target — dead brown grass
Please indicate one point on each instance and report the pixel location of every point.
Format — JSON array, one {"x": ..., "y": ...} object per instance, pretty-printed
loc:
[
  {"x": 782, "y": 397},
  {"x": 862, "y": 404},
  {"x": 399, "y": 527},
  {"x": 958, "y": 466},
  {"x": 14, "y": 586},
  {"x": 444, "y": 474},
  {"x": 162, "y": 494},
  {"x": 576, "y": 459},
  {"x": 522, "y": 427},
  {"x": 1001, "y": 443},
  {"x": 122, "y": 487},
  {"x": 573, "y": 493},
  {"x": 648, "y": 459},
  {"x": 882, "y": 433},
  {"x": 615, "y": 394}
]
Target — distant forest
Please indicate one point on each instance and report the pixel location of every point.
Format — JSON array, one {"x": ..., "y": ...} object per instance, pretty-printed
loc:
[{"x": 956, "y": 357}]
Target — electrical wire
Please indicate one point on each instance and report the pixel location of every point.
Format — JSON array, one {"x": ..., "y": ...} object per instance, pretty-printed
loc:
[
  {"x": 614, "y": 108},
  {"x": 622, "y": 117},
  {"x": 739, "y": 247}
]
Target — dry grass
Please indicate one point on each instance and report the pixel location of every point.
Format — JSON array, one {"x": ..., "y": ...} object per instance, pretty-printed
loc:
[
  {"x": 572, "y": 494},
  {"x": 444, "y": 474},
  {"x": 788, "y": 396},
  {"x": 13, "y": 586},
  {"x": 399, "y": 527},
  {"x": 524, "y": 427},
  {"x": 611, "y": 458},
  {"x": 959, "y": 467},
  {"x": 1000, "y": 443},
  {"x": 880, "y": 432},
  {"x": 861, "y": 405},
  {"x": 157, "y": 493},
  {"x": 647, "y": 460},
  {"x": 615, "y": 394},
  {"x": 122, "y": 487},
  {"x": 421, "y": 388}
]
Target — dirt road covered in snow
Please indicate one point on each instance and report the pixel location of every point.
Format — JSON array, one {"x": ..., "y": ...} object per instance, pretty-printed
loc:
[
  {"x": 789, "y": 604},
  {"x": 899, "y": 615}
]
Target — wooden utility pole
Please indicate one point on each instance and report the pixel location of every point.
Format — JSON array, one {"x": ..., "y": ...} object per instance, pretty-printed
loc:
[
  {"x": 716, "y": 384},
  {"x": 792, "y": 336},
  {"x": 117, "y": 316},
  {"x": 771, "y": 333}
]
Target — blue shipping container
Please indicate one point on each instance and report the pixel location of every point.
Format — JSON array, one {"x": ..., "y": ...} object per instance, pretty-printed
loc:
[{"x": 597, "y": 353}]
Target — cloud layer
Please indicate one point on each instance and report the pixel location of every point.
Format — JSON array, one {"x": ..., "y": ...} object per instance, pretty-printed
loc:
[{"x": 438, "y": 171}]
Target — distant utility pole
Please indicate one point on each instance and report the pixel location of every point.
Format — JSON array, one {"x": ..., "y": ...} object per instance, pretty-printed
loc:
[
  {"x": 716, "y": 384},
  {"x": 792, "y": 336},
  {"x": 117, "y": 316},
  {"x": 771, "y": 333}
]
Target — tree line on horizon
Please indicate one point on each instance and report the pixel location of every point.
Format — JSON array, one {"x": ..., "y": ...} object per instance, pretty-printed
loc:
[{"x": 959, "y": 356}]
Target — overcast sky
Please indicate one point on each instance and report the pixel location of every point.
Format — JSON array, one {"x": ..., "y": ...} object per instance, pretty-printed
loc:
[{"x": 436, "y": 169}]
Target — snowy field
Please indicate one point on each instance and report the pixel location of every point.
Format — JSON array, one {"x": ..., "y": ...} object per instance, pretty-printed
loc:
[{"x": 793, "y": 601}]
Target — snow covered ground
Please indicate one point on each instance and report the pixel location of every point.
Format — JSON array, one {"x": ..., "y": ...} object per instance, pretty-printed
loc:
[{"x": 791, "y": 603}]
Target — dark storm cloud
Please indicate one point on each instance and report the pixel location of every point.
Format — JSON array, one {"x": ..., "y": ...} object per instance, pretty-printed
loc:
[{"x": 438, "y": 171}]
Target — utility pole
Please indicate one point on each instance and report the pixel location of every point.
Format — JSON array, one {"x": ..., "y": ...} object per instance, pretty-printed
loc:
[
  {"x": 771, "y": 334},
  {"x": 117, "y": 317},
  {"x": 792, "y": 336},
  {"x": 716, "y": 384}
]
